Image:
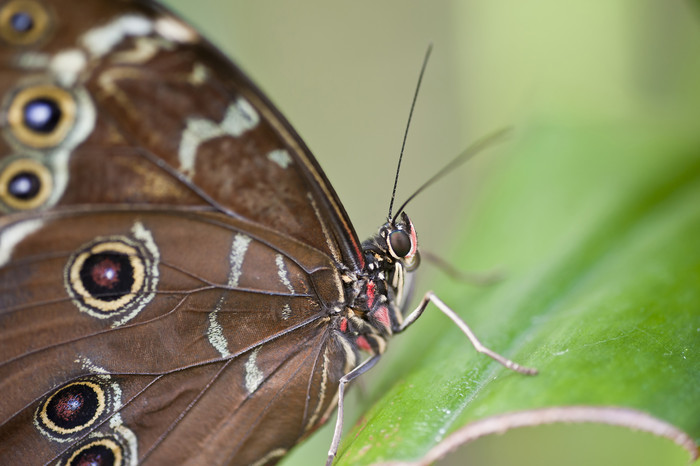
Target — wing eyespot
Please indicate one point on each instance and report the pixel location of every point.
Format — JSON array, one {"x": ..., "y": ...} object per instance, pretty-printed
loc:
[
  {"x": 72, "y": 409},
  {"x": 104, "y": 451},
  {"x": 24, "y": 22},
  {"x": 112, "y": 277},
  {"x": 25, "y": 184},
  {"x": 41, "y": 116}
]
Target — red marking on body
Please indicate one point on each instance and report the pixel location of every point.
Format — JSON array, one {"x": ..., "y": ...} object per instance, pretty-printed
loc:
[
  {"x": 344, "y": 325},
  {"x": 363, "y": 343},
  {"x": 371, "y": 288},
  {"x": 382, "y": 316}
]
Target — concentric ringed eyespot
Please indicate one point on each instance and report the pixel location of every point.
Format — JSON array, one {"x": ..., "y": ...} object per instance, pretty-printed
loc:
[
  {"x": 108, "y": 276},
  {"x": 25, "y": 184},
  {"x": 24, "y": 22},
  {"x": 41, "y": 116},
  {"x": 71, "y": 409},
  {"x": 102, "y": 451},
  {"x": 114, "y": 276}
]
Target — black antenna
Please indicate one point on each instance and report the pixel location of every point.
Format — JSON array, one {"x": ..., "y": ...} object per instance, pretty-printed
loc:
[
  {"x": 408, "y": 125},
  {"x": 468, "y": 153}
]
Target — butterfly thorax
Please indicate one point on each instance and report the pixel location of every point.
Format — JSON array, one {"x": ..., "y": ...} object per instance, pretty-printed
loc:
[{"x": 376, "y": 296}]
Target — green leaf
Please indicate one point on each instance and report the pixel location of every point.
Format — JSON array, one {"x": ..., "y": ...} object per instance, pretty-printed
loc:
[{"x": 598, "y": 233}]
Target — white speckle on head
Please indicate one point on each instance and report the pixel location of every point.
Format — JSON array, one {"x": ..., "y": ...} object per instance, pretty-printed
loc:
[
  {"x": 281, "y": 157},
  {"x": 253, "y": 374},
  {"x": 101, "y": 40},
  {"x": 215, "y": 332},
  {"x": 67, "y": 65},
  {"x": 13, "y": 235},
  {"x": 175, "y": 30},
  {"x": 239, "y": 118}
]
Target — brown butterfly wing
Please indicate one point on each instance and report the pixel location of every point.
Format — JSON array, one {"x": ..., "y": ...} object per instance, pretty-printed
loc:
[
  {"x": 165, "y": 291},
  {"x": 167, "y": 378}
]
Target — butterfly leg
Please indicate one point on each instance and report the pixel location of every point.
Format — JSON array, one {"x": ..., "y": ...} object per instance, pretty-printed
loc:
[
  {"x": 366, "y": 365},
  {"x": 430, "y": 297}
]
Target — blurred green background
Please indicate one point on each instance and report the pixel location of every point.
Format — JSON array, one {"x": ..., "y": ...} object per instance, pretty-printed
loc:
[{"x": 344, "y": 74}]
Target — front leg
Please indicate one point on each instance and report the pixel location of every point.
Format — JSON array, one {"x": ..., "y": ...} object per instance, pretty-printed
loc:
[{"x": 431, "y": 297}]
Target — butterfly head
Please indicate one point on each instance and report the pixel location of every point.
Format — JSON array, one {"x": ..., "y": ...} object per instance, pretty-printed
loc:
[
  {"x": 397, "y": 242},
  {"x": 392, "y": 254}
]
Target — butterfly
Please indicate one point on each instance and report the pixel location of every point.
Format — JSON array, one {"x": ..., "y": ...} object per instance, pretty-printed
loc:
[{"x": 179, "y": 281}]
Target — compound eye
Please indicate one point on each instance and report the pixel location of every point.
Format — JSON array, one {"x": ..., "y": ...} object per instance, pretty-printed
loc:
[{"x": 399, "y": 244}]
